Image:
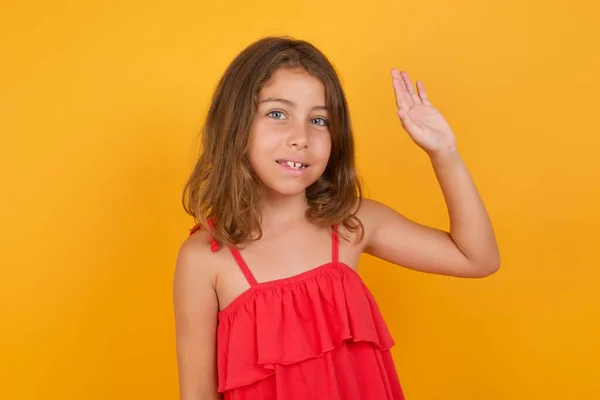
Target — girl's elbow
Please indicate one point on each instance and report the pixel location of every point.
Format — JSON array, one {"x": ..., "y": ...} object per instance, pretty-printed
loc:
[{"x": 487, "y": 267}]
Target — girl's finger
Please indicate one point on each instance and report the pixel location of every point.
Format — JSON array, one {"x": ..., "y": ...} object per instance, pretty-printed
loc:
[
  {"x": 409, "y": 87},
  {"x": 400, "y": 91},
  {"x": 423, "y": 93}
]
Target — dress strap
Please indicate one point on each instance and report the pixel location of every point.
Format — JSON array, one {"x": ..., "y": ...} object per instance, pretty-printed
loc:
[
  {"x": 236, "y": 254},
  {"x": 214, "y": 245},
  {"x": 242, "y": 264},
  {"x": 335, "y": 244}
]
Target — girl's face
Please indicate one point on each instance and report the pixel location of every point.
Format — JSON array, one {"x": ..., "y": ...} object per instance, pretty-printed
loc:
[{"x": 289, "y": 142}]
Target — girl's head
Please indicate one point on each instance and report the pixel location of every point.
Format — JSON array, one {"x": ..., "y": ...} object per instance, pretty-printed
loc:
[{"x": 278, "y": 126}]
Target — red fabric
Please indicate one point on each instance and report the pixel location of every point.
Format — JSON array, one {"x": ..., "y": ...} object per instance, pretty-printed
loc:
[{"x": 316, "y": 335}]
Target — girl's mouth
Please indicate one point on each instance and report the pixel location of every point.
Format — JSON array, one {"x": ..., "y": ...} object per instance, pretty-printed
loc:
[{"x": 292, "y": 164}]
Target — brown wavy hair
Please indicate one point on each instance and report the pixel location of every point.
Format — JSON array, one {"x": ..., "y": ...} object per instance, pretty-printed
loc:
[{"x": 223, "y": 189}]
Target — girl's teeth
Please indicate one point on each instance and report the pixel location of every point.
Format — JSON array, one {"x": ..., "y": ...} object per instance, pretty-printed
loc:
[{"x": 294, "y": 165}]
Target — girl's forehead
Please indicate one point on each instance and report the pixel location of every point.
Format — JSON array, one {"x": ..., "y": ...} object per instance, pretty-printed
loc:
[
  {"x": 293, "y": 86},
  {"x": 289, "y": 77}
]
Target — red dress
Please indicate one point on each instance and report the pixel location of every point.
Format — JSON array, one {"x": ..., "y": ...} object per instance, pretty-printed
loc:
[{"x": 318, "y": 335}]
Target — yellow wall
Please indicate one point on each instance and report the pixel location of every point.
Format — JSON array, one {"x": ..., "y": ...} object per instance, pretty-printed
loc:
[{"x": 99, "y": 107}]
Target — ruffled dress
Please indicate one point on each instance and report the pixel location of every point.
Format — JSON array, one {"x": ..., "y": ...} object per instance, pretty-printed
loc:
[{"x": 318, "y": 335}]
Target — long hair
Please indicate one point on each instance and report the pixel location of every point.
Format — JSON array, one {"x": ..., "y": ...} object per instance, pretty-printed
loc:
[{"x": 222, "y": 188}]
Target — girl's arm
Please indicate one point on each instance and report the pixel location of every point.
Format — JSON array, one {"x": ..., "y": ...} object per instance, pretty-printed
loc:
[
  {"x": 470, "y": 248},
  {"x": 196, "y": 308}
]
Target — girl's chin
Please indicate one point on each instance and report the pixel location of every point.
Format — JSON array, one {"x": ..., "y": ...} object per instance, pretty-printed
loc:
[
  {"x": 282, "y": 190},
  {"x": 271, "y": 192}
]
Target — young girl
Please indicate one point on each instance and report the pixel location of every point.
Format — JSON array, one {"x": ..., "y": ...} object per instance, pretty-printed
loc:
[{"x": 268, "y": 303}]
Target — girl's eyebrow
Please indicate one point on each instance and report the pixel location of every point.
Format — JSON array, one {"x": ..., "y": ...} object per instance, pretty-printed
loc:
[{"x": 288, "y": 102}]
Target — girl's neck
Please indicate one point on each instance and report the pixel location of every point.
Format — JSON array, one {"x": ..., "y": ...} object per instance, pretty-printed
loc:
[{"x": 278, "y": 210}]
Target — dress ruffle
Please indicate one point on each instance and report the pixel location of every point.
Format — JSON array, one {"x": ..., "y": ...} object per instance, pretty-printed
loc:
[{"x": 325, "y": 319}]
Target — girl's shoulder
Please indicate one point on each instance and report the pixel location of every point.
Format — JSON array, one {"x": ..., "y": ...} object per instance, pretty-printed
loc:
[
  {"x": 370, "y": 208},
  {"x": 369, "y": 214},
  {"x": 373, "y": 216},
  {"x": 195, "y": 257},
  {"x": 373, "y": 213},
  {"x": 198, "y": 242}
]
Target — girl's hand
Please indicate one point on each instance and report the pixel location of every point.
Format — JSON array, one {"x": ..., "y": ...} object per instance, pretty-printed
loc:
[{"x": 423, "y": 122}]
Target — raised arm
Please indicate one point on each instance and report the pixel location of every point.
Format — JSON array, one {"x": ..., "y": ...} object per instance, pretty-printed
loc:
[
  {"x": 196, "y": 308},
  {"x": 469, "y": 249}
]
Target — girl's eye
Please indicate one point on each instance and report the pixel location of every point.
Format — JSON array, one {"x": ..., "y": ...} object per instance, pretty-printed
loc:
[
  {"x": 319, "y": 121},
  {"x": 276, "y": 114}
]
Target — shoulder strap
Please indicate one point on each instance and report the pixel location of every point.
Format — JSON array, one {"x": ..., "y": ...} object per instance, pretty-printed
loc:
[
  {"x": 214, "y": 246},
  {"x": 335, "y": 244},
  {"x": 236, "y": 254},
  {"x": 242, "y": 264}
]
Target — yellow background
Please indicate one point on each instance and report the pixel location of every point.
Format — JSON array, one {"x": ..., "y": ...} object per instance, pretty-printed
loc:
[{"x": 100, "y": 104}]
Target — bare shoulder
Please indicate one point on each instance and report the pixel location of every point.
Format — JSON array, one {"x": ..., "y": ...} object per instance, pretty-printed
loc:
[
  {"x": 370, "y": 209},
  {"x": 373, "y": 214},
  {"x": 195, "y": 261},
  {"x": 370, "y": 214}
]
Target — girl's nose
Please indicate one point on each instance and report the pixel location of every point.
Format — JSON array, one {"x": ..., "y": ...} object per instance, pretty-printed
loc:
[{"x": 299, "y": 136}]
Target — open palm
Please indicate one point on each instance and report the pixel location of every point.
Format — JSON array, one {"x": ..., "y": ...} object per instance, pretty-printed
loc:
[{"x": 423, "y": 122}]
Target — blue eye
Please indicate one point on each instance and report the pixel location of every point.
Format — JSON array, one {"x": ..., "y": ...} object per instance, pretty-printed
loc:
[
  {"x": 276, "y": 114},
  {"x": 319, "y": 121}
]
